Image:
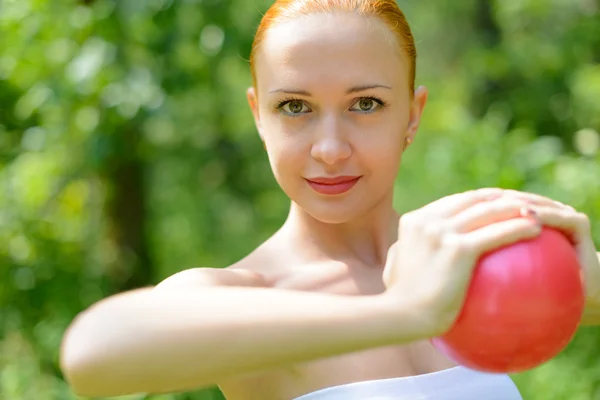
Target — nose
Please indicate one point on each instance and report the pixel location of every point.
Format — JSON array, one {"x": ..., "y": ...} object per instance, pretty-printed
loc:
[{"x": 331, "y": 142}]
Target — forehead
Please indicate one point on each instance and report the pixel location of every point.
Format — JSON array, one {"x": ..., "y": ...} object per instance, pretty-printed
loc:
[{"x": 328, "y": 50}]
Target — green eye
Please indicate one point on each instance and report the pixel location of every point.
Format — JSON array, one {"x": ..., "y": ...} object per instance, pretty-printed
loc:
[
  {"x": 294, "y": 106},
  {"x": 367, "y": 104}
]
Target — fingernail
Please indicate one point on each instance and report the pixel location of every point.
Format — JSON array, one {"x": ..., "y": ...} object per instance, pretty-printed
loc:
[{"x": 526, "y": 212}]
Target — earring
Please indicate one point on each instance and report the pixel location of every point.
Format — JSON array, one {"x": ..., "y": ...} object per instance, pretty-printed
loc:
[{"x": 407, "y": 142}]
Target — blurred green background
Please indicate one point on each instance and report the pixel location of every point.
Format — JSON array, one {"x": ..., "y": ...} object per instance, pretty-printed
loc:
[{"x": 127, "y": 150}]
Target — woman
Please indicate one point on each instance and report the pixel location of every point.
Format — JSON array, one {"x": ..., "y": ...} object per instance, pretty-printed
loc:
[{"x": 346, "y": 291}]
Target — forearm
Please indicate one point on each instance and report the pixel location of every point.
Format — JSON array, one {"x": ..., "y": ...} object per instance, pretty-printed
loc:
[{"x": 167, "y": 341}]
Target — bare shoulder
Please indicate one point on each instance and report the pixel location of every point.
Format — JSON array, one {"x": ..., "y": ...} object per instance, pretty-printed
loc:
[{"x": 248, "y": 272}]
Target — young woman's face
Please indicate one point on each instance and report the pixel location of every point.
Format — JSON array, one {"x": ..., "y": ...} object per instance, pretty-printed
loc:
[{"x": 333, "y": 107}]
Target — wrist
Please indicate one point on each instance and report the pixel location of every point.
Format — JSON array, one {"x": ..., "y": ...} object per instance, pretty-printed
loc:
[{"x": 401, "y": 320}]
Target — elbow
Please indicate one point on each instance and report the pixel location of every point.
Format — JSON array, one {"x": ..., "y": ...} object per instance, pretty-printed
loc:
[
  {"x": 85, "y": 360},
  {"x": 100, "y": 351},
  {"x": 88, "y": 373},
  {"x": 83, "y": 382},
  {"x": 78, "y": 362},
  {"x": 78, "y": 376}
]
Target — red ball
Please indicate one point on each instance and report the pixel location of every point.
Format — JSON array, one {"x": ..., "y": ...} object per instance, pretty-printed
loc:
[{"x": 523, "y": 306}]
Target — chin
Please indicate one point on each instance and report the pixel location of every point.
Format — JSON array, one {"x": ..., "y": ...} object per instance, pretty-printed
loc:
[
  {"x": 336, "y": 212},
  {"x": 331, "y": 218}
]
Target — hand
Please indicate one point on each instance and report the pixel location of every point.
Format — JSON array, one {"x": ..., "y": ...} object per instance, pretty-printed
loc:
[
  {"x": 431, "y": 264},
  {"x": 577, "y": 227}
]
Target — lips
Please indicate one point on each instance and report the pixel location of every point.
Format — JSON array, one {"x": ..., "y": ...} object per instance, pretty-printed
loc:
[{"x": 333, "y": 186}]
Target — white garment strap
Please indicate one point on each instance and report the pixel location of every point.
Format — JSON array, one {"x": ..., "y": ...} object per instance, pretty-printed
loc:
[{"x": 456, "y": 383}]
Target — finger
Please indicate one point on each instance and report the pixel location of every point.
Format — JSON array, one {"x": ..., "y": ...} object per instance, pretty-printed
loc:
[
  {"x": 494, "y": 236},
  {"x": 450, "y": 205},
  {"x": 536, "y": 199},
  {"x": 487, "y": 213},
  {"x": 575, "y": 224}
]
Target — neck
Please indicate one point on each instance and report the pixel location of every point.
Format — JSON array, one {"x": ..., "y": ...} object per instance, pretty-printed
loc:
[{"x": 366, "y": 238}]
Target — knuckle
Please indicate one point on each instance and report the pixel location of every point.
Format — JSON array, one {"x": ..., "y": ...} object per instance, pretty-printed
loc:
[
  {"x": 569, "y": 216},
  {"x": 450, "y": 242},
  {"x": 432, "y": 232},
  {"x": 409, "y": 220},
  {"x": 564, "y": 213},
  {"x": 583, "y": 221}
]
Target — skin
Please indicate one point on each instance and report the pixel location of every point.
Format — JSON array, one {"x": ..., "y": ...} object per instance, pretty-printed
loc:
[
  {"x": 346, "y": 290},
  {"x": 325, "y": 138},
  {"x": 340, "y": 244},
  {"x": 331, "y": 136}
]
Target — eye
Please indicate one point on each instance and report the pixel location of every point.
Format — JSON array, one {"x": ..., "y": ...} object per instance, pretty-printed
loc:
[
  {"x": 367, "y": 104},
  {"x": 293, "y": 107}
]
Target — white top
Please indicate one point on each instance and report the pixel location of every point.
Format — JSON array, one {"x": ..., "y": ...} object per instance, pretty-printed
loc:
[{"x": 456, "y": 383}]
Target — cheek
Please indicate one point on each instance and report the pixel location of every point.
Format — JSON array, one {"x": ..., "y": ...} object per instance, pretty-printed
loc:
[
  {"x": 386, "y": 158},
  {"x": 384, "y": 138},
  {"x": 287, "y": 154},
  {"x": 382, "y": 151},
  {"x": 286, "y": 142},
  {"x": 287, "y": 159}
]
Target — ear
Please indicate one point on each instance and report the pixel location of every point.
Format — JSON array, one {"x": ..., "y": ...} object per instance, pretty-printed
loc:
[
  {"x": 416, "y": 111},
  {"x": 253, "y": 102}
]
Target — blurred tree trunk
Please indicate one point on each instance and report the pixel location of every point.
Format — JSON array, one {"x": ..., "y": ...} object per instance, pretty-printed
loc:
[
  {"x": 127, "y": 211},
  {"x": 124, "y": 171},
  {"x": 490, "y": 36},
  {"x": 486, "y": 23}
]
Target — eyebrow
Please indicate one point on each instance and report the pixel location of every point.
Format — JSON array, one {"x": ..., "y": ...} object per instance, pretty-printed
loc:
[{"x": 354, "y": 89}]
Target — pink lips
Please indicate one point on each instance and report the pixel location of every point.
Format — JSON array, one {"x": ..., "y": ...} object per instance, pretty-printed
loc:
[{"x": 333, "y": 186}]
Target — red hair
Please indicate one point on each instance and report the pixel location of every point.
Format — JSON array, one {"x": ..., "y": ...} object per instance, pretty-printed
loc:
[{"x": 387, "y": 11}]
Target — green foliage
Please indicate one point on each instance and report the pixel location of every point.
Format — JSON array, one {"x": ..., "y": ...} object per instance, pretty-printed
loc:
[{"x": 127, "y": 150}]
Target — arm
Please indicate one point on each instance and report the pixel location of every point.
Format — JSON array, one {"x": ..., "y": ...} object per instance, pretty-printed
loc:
[{"x": 169, "y": 340}]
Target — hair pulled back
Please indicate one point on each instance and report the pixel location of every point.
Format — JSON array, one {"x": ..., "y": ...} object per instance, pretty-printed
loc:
[{"x": 387, "y": 11}]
